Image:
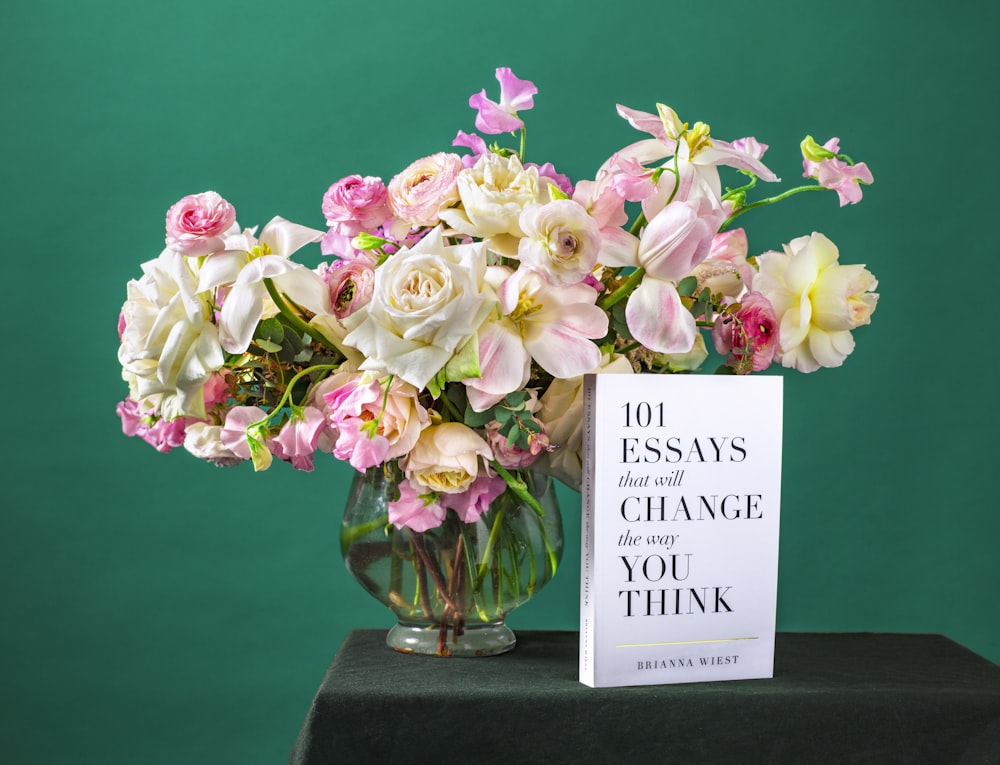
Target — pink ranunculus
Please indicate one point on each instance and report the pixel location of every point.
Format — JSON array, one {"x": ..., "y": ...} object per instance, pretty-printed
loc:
[
  {"x": 197, "y": 224},
  {"x": 422, "y": 190},
  {"x": 749, "y": 335},
  {"x": 414, "y": 511},
  {"x": 351, "y": 284},
  {"x": 354, "y": 204},
  {"x": 475, "y": 500}
]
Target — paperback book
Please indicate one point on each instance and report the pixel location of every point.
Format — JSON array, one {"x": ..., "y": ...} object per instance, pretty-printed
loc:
[{"x": 681, "y": 504}]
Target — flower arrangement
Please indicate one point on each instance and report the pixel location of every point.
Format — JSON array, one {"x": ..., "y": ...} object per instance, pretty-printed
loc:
[{"x": 446, "y": 338}]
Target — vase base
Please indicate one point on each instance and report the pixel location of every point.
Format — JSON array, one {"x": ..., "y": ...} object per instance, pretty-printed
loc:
[{"x": 475, "y": 640}]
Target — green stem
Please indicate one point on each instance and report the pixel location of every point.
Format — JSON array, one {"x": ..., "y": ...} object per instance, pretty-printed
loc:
[
  {"x": 624, "y": 290},
  {"x": 352, "y": 534},
  {"x": 519, "y": 487},
  {"x": 484, "y": 564},
  {"x": 768, "y": 201},
  {"x": 293, "y": 318},
  {"x": 523, "y": 135}
]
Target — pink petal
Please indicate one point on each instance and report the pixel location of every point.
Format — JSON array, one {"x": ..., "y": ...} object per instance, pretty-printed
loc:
[
  {"x": 515, "y": 94},
  {"x": 657, "y": 318}
]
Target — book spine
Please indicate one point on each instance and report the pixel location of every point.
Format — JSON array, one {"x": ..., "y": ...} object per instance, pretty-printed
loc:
[{"x": 587, "y": 536}]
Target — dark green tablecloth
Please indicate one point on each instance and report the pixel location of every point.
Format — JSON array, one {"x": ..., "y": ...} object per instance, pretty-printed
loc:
[{"x": 834, "y": 698}]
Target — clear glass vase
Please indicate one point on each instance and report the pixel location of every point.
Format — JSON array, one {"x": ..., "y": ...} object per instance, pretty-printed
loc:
[{"x": 451, "y": 587}]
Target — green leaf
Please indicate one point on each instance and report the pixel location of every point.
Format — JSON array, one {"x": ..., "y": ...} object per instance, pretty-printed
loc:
[
  {"x": 465, "y": 363},
  {"x": 687, "y": 286},
  {"x": 270, "y": 330},
  {"x": 267, "y": 345}
]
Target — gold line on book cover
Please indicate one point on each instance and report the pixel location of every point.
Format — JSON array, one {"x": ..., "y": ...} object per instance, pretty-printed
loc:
[{"x": 684, "y": 642}]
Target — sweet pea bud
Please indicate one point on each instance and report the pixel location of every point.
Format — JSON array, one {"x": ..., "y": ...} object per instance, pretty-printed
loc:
[
  {"x": 813, "y": 152},
  {"x": 556, "y": 193},
  {"x": 259, "y": 453},
  {"x": 365, "y": 241}
]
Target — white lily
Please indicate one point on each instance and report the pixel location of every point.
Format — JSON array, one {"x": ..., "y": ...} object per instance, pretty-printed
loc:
[{"x": 244, "y": 265}]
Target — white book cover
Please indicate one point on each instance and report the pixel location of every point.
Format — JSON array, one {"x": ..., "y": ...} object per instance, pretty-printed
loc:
[{"x": 681, "y": 501}]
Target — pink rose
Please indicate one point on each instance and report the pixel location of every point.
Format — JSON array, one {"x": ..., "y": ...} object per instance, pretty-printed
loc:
[
  {"x": 355, "y": 204},
  {"x": 427, "y": 186},
  {"x": 196, "y": 224},
  {"x": 750, "y": 336}
]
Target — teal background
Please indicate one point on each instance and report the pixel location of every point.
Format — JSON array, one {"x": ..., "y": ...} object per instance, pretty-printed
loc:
[{"x": 159, "y": 610}]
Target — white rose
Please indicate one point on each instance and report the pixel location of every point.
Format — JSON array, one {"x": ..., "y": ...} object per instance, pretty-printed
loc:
[
  {"x": 493, "y": 192},
  {"x": 561, "y": 241},
  {"x": 562, "y": 415},
  {"x": 817, "y": 301},
  {"x": 446, "y": 458},
  {"x": 427, "y": 302},
  {"x": 169, "y": 347}
]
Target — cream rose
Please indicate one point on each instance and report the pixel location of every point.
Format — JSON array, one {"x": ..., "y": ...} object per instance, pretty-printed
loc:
[
  {"x": 446, "y": 458},
  {"x": 169, "y": 347},
  {"x": 562, "y": 415},
  {"x": 817, "y": 301},
  {"x": 426, "y": 303},
  {"x": 493, "y": 192}
]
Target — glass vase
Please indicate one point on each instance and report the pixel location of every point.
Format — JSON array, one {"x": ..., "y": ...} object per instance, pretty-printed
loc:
[{"x": 451, "y": 587}]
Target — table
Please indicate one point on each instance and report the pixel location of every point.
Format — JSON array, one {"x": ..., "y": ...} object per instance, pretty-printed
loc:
[{"x": 835, "y": 698}]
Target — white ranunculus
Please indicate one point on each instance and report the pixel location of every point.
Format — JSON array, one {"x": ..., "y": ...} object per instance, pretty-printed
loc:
[
  {"x": 169, "y": 347},
  {"x": 562, "y": 415},
  {"x": 817, "y": 301},
  {"x": 561, "y": 240},
  {"x": 493, "y": 193},
  {"x": 427, "y": 302}
]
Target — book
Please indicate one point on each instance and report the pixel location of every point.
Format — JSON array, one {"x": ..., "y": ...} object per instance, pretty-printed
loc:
[{"x": 681, "y": 497}]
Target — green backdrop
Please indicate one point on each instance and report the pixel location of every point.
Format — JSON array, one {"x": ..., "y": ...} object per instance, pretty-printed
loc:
[{"x": 159, "y": 610}]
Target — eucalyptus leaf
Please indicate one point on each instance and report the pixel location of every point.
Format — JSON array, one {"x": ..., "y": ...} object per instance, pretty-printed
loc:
[{"x": 687, "y": 286}]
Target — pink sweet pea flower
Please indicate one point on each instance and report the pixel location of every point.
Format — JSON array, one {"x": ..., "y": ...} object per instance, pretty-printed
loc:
[
  {"x": 415, "y": 511},
  {"x": 475, "y": 500},
  {"x": 473, "y": 142},
  {"x": 197, "y": 223},
  {"x": 515, "y": 95},
  {"x": 297, "y": 440},
  {"x": 374, "y": 424},
  {"x": 833, "y": 173},
  {"x": 235, "y": 436},
  {"x": 162, "y": 434}
]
